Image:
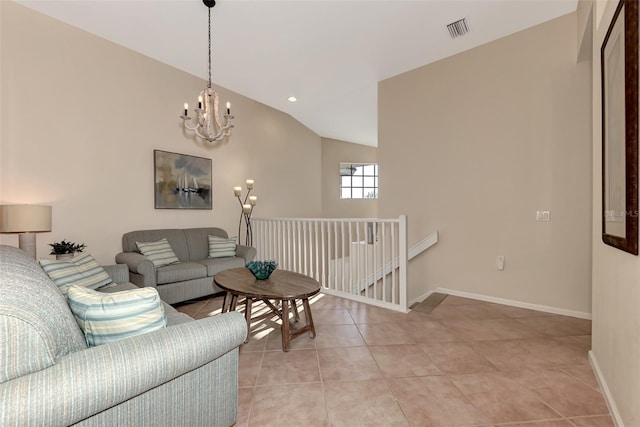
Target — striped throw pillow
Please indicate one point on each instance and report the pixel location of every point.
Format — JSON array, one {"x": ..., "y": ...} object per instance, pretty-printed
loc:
[
  {"x": 160, "y": 252},
  {"x": 220, "y": 247},
  {"x": 109, "y": 317},
  {"x": 82, "y": 270}
]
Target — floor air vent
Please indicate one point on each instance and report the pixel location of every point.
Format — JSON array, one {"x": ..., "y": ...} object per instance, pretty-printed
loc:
[{"x": 458, "y": 28}]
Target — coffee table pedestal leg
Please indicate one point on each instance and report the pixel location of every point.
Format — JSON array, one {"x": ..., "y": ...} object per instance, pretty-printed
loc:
[
  {"x": 294, "y": 307},
  {"x": 285, "y": 330},
  {"x": 229, "y": 302},
  {"x": 247, "y": 316},
  {"x": 309, "y": 318}
]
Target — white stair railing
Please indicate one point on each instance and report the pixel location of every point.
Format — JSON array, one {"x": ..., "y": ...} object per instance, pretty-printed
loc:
[{"x": 360, "y": 259}]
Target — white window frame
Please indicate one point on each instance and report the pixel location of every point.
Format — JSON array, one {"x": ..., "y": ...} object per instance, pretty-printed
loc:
[{"x": 361, "y": 184}]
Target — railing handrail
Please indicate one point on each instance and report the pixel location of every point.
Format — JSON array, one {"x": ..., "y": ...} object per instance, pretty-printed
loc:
[{"x": 423, "y": 245}]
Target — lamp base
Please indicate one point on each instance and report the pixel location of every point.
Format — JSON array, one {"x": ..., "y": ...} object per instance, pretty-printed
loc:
[{"x": 27, "y": 242}]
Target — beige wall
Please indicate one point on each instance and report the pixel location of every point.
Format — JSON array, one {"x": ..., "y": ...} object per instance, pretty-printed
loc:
[
  {"x": 616, "y": 284},
  {"x": 334, "y": 152},
  {"x": 473, "y": 146},
  {"x": 81, "y": 117}
]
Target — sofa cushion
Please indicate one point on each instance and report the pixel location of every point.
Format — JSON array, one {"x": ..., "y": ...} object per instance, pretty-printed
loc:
[
  {"x": 82, "y": 270},
  {"x": 34, "y": 315},
  {"x": 216, "y": 265},
  {"x": 173, "y": 316},
  {"x": 220, "y": 247},
  {"x": 198, "y": 243},
  {"x": 109, "y": 317},
  {"x": 180, "y": 272},
  {"x": 159, "y": 252}
]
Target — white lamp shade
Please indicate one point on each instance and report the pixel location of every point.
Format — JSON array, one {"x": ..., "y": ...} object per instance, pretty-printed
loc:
[{"x": 25, "y": 218}]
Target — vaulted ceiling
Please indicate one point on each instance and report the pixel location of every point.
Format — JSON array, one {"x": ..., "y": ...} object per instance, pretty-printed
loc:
[{"x": 329, "y": 54}]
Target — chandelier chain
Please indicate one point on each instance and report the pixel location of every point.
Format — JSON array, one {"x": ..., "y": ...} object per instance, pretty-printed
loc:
[{"x": 209, "y": 47}]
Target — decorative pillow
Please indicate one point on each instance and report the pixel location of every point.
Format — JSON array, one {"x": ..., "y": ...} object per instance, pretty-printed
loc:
[
  {"x": 81, "y": 270},
  {"x": 109, "y": 317},
  {"x": 160, "y": 252},
  {"x": 220, "y": 247}
]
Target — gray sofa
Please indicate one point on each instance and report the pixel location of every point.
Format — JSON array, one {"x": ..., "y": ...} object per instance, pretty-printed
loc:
[
  {"x": 193, "y": 276},
  {"x": 185, "y": 374}
]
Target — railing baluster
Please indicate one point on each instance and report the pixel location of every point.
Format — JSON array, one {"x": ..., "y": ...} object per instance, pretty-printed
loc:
[
  {"x": 335, "y": 254},
  {"x": 342, "y": 255},
  {"x": 367, "y": 252},
  {"x": 394, "y": 264},
  {"x": 289, "y": 245},
  {"x": 350, "y": 281},
  {"x": 356, "y": 286},
  {"x": 375, "y": 261},
  {"x": 384, "y": 261},
  {"x": 298, "y": 239},
  {"x": 278, "y": 239},
  {"x": 323, "y": 255},
  {"x": 403, "y": 247},
  {"x": 317, "y": 246},
  {"x": 306, "y": 248}
]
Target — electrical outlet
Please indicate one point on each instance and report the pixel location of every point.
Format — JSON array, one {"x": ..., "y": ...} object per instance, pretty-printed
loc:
[{"x": 500, "y": 262}]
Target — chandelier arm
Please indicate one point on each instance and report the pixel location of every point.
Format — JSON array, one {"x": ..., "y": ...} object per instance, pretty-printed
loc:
[{"x": 190, "y": 127}]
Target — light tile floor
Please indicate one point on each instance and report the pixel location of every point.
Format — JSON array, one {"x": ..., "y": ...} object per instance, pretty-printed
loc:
[{"x": 468, "y": 363}]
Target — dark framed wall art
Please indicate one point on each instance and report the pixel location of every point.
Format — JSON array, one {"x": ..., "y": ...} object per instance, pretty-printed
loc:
[
  {"x": 182, "y": 181},
  {"x": 619, "y": 62}
]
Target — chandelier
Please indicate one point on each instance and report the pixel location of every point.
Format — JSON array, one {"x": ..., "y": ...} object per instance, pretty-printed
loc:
[{"x": 207, "y": 125}]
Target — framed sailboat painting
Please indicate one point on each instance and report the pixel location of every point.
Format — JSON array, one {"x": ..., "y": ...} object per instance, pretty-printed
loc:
[{"x": 182, "y": 181}]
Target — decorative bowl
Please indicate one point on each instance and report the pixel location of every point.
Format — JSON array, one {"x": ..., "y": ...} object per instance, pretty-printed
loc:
[{"x": 261, "y": 269}]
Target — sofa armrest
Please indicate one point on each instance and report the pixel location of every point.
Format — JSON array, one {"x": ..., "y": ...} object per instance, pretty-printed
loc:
[
  {"x": 246, "y": 252},
  {"x": 90, "y": 381},
  {"x": 139, "y": 264},
  {"x": 119, "y": 272}
]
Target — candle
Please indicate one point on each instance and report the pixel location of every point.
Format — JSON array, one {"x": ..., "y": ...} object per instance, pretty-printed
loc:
[
  {"x": 199, "y": 102},
  {"x": 253, "y": 200},
  {"x": 228, "y": 108},
  {"x": 249, "y": 184},
  {"x": 246, "y": 208},
  {"x": 186, "y": 107},
  {"x": 237, "y": 191}
]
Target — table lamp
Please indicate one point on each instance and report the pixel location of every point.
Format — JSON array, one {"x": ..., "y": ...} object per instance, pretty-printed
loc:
[{"x": 26, "y": 220}]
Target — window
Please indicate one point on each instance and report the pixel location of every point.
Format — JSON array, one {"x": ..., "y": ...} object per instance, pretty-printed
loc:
[{"x": 358, "y": 181}]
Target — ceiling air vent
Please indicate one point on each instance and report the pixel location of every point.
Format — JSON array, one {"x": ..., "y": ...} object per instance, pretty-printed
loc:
[{"x": 458, "y": 28}]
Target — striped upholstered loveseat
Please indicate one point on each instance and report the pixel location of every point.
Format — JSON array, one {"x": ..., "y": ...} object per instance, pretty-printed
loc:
[
  {"x": 192, "y": 275},
  {"x": 183, "y": 375}
]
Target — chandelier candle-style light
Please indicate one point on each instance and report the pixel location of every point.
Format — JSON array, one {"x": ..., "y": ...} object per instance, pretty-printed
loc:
[
  {"x": 207, "y": 126},
  {"x": 245, "y": 214}
]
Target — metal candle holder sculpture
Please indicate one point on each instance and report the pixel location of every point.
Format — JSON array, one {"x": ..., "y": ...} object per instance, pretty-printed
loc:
[{"x": 247, "y": 210}]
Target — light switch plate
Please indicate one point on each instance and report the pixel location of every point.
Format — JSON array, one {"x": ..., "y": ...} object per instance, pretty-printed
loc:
[{"x": 543, "y": 216}]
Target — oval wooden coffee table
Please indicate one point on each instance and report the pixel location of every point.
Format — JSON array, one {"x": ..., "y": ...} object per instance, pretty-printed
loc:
[{"x": 282, "y": 286}]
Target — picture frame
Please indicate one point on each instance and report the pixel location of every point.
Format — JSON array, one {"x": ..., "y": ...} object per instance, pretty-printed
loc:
[
  {"x": 619, "y": 79},
  {"x": 182, "y": 181}
]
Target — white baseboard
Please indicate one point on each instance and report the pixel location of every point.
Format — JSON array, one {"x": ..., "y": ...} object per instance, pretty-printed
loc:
[
  {"x": 611, "y": 404},
  {"x": 514, "y": 303}
]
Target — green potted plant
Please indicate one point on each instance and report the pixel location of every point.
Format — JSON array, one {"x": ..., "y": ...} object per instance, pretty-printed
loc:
[{"x": 65, "y": 250}]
